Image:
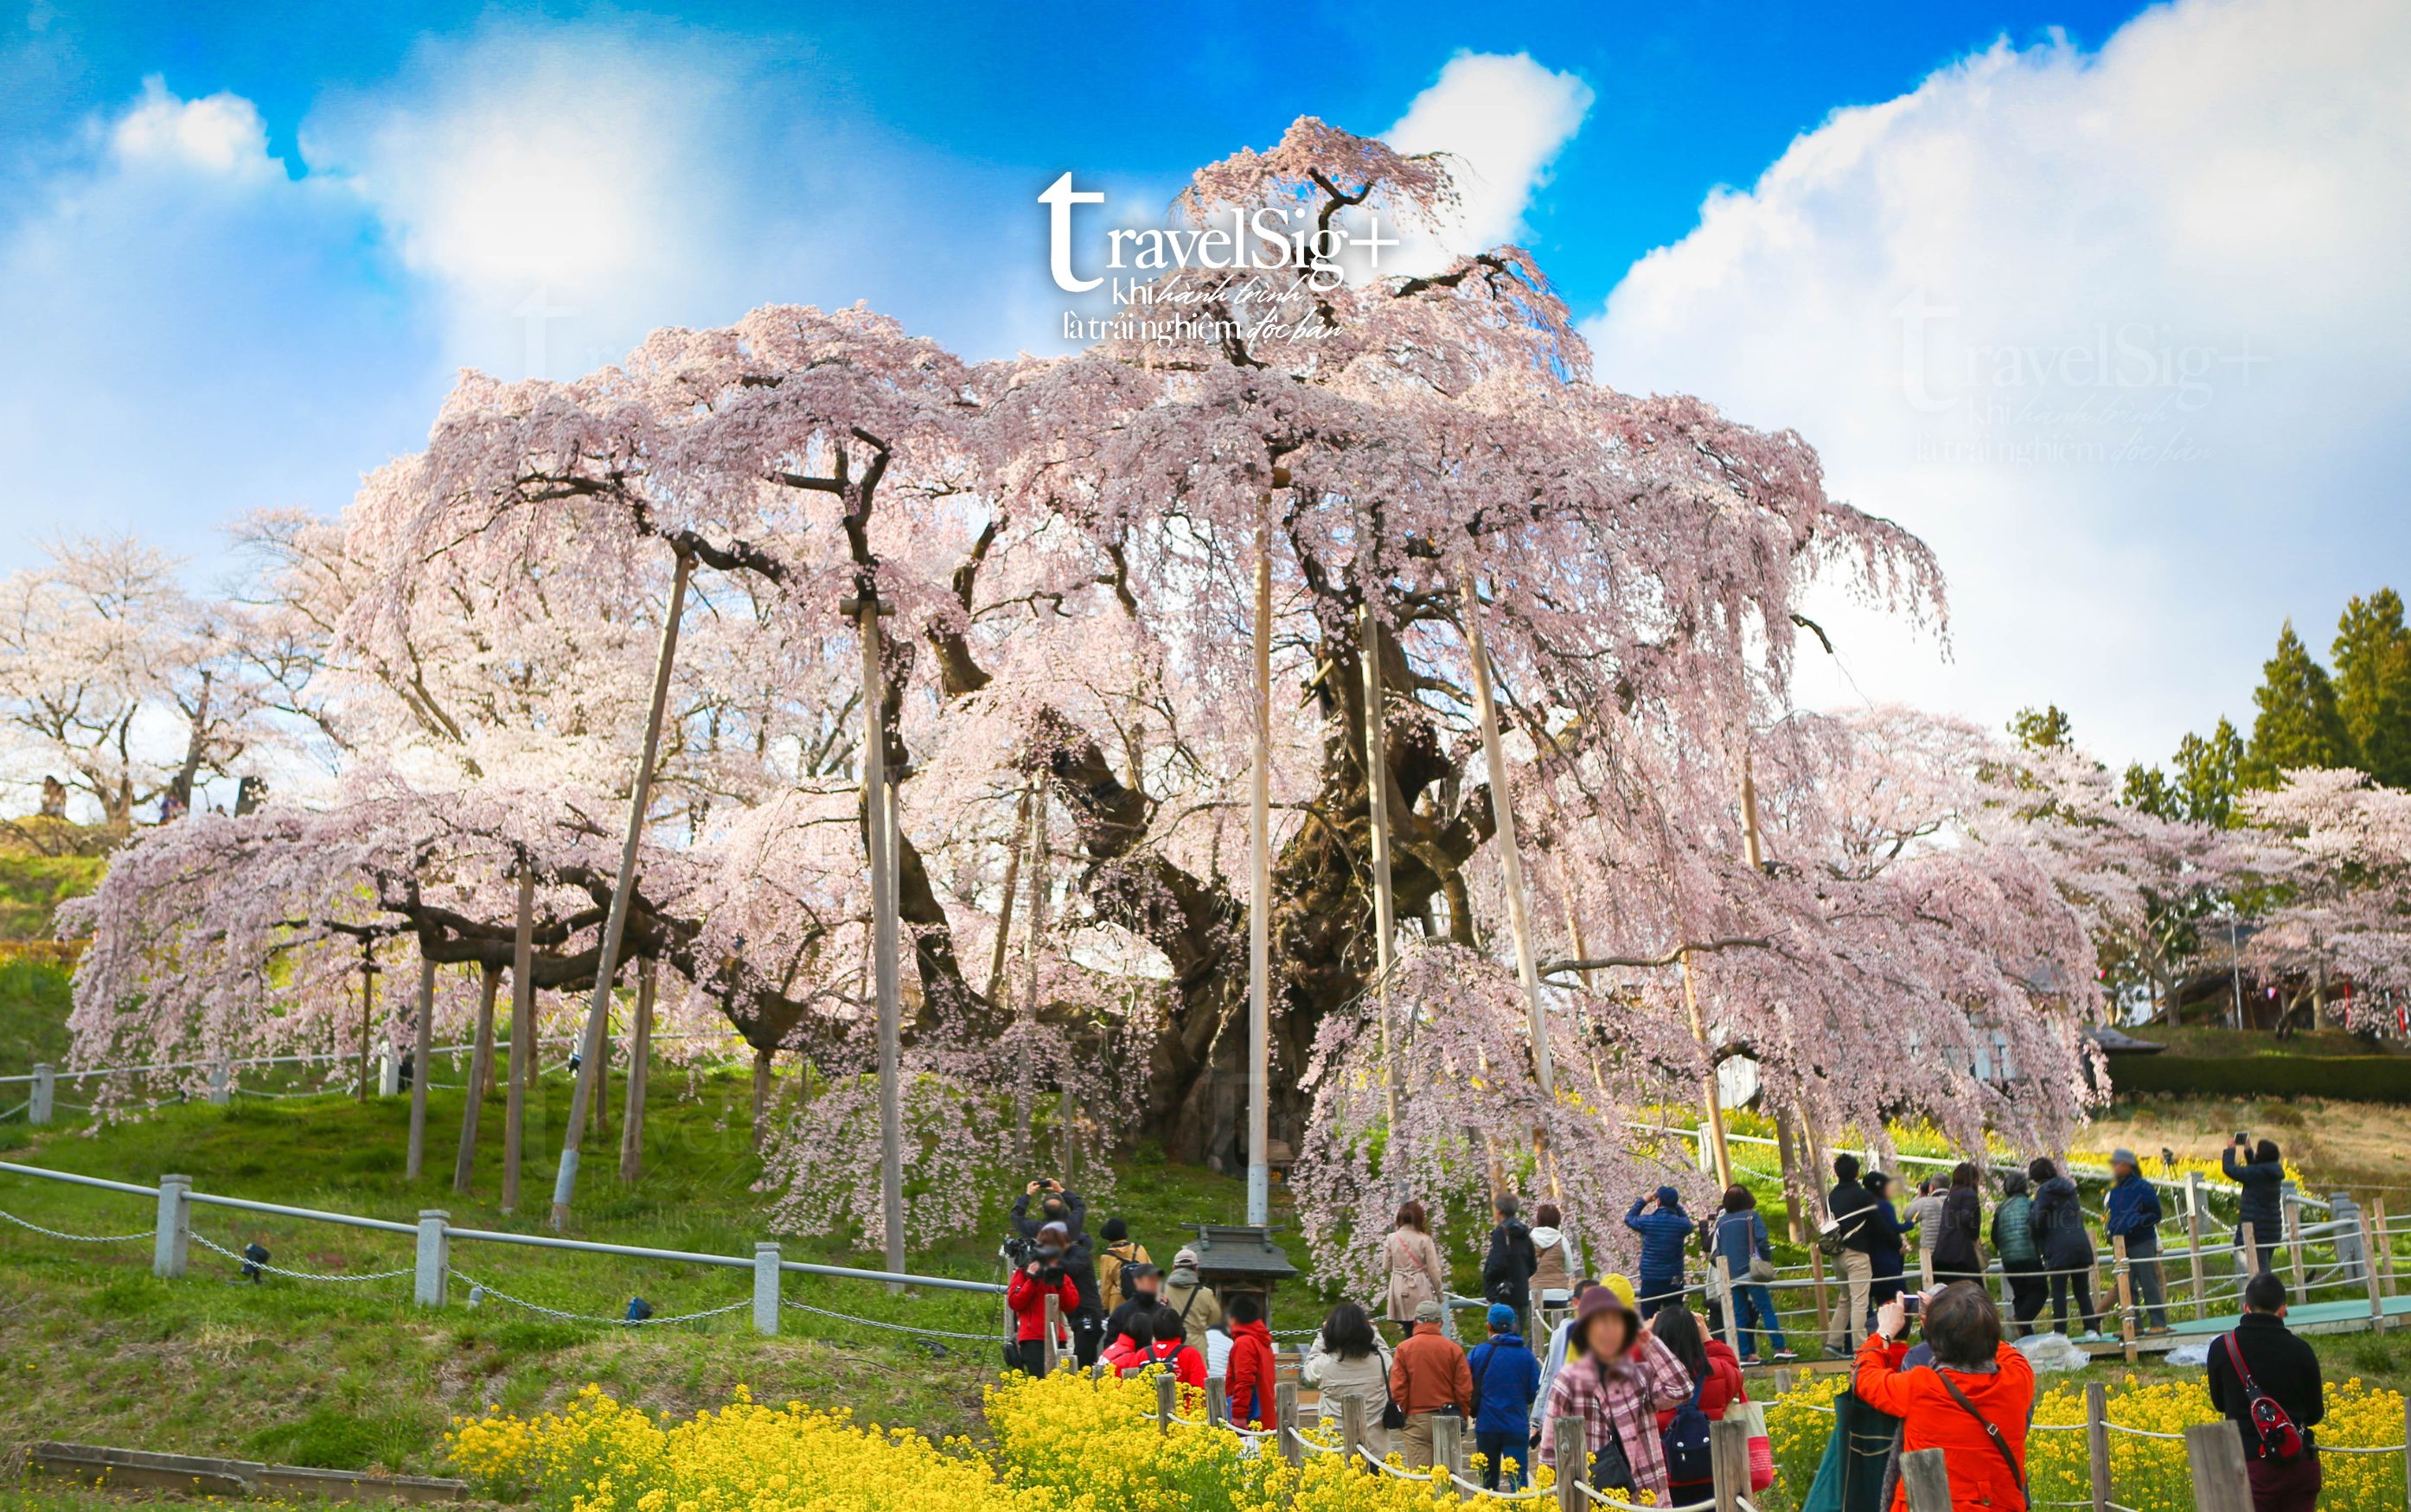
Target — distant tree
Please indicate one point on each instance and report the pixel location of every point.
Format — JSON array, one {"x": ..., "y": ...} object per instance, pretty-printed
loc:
[
  {"x": 2047, "y": 728},
  {"x": 2147, "y": 788},
  {"x": 2299, "y": 724},
  {"x": 2372, "y": 681},
  {"x": 2208, "y": 775}
]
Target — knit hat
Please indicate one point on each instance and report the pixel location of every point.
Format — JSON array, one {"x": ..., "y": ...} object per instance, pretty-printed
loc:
[
  {"x": 1115, "y": 1231},
  {"x": 1621, "y": 1286},
  {"x": 1668, "y": 1196},
  {"x": 2124, "y": 1158},
  {"x": 1602, "y": 1298},
  {"x": 1502, "y": 1318},
  {"x": 1186, "y": 1257},
  {"x": 1429, "y": 1311}
]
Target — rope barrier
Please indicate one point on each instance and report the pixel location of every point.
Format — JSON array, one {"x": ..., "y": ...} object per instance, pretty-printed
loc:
[
  {"x": 1604, "y": 1499},
  {"x": 875, "y": 1323},
  {"x": 1475, "y": 1488},
  {"x": 204, "y": 1240},
  {"x": 79, "y": 1238},
  {"x": 2141, "y": 1433},
  {"x": 623, "y": 1322},
  {"x": 1388, "y": 1469}
]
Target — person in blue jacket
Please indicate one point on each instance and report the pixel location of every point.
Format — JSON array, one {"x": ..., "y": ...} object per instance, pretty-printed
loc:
[
  {"x": 1664, "y": 1229},
  {"x": 1506, "y": 1378},
  {"x": 2134, "y": 1215}
]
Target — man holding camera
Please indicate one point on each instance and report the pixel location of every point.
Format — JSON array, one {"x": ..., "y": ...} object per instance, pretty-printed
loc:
[{"x": 1058, "y": 1208}]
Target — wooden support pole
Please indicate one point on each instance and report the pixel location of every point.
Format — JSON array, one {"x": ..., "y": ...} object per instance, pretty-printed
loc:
[
  {"x": 1711, "y": 1099},
  {"x": 641, "y": 1061},
  {"x": 1816, "y": 1283},
  {"x": 1259, "y": 889},
  {"x": 1218, "y": 1401},
  {"x": 601, "y": 1126},
  {"x": 1049, "y": 1346},
  {"x": 2123, "y": 1272},
  {"x": 1351, "y": 1428},
  {"x": 1167, "y": 1402},
  {"x": 2369, "y": 1273},
  {"x": 422, "y": 1046},
  {"x": 1292, "y": 1448},
  {"x": 481, "y": 1078},
  {"x": 2215, "y": 1453},
  {"x": 2096, "y": 1443},
  {"x": 1927, "y": 1477},
  {"x": 998, "y": 950},
  {"x": 2251, "y": 1243},
  {"x": 615, "y": 921},
  {"x": 2383, "y": 1256},
  {"x": 1377, "y": 807},
  {"x": 522, "y": 1035},
  {"x": 2192, "y": 1235},
  {"x": 2293, "y": 1211},
  {"x": 879, "y": 826},
  {"x": 1033, "y": 962},
  {"x": 1510, "y": 867},
  {"x": 1447, "y": 1450}
]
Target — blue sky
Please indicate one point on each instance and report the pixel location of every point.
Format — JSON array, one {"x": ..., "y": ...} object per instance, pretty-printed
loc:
[{"x": 243, "y": 249}]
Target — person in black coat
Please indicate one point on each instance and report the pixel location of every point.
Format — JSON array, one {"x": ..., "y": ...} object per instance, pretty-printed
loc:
[
  {"x": 1507, "y": 1268},
  {"x": 1887, "y": 1243},
  {"x": 2261, "y": 1172},
  {"x": 1849, "y": 1210},
  {"x": 2057, "y": 1219},
  {"x": 1958, "y": 1247},
  {"x": 2287, "y": 1371}
]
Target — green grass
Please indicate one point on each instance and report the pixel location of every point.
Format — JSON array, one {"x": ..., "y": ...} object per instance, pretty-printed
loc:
[
  {"x": 93, "y": 1348},
  {"x": 33, "y": 885}
]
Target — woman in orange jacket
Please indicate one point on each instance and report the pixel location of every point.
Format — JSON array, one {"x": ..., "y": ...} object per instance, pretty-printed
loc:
[{"x": 1973, "y": 1403}]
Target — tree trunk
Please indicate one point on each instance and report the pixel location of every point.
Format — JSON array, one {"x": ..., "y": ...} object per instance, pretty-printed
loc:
[
  {"x": 761, "y": 1096},
  {"x": 480, "y": 1078},
  {"x": 523, "y": 1033},
  {"x": 640, "y": 1057}
]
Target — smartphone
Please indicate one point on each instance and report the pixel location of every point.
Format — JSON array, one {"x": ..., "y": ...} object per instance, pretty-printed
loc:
[{"x": 2241, "y": 1137}]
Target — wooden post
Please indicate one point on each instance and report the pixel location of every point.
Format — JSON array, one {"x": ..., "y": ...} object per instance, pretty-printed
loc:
[
  {"x": 522, "y": 1035},
  {"x": 1292, "y": 1448},
  {"x": 2125, "y": 1283},
  {"x": 1033, "y": 962},
  {"x": 1573, "y": 1464},
  {"x": 2192, "y": 1235},
  {"x": 2215, "y": 1452},
  {"x": 1448, "y": 1448},
  {"x": 481, "y": 1074},
  {"x": 2096, "y": 1441},
  {"x": 1927, "y": 1477},
  {"x": 1049, "y": 1351},
  {"x": 615, "y": 921},
  {"x": 1925, "y": 1269},
  {"x": 601, "y": 1126},
  {"x": 997, "y": 951},
  {"x": 1351, "y": 1426},
  {"x": 1511, "y": 862},
  {"x": 1720, "y": 1283},
  {"x": 422, "y": 1045},
  {"x": 2369, "y": 1273},
  {"x": 2406, "y": 1446},
  {"x": 2251, "y": 1243},
  {"x": 1259, "y": 889},
  {"x": 2383, "y": 1256},
  {"x": 1218, "y": 1401},
  {"x": 1817, "y": 1282},
  {"x": 879, "y": 827},
  {"x": 640, "y": 1058},
  {"x": 1377, "y": 807},
  {"x": 2293, "y": 1211},
  {"x": 1728, "y": 1460},
  {"x": 1167, "y": 1402}
]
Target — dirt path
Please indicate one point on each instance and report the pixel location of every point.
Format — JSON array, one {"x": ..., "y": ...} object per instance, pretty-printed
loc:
[{"x": 2342, "y": 1145}]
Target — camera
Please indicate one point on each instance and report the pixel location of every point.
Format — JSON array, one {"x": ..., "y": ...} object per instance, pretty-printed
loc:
[{"x": 1912, "y": 1304}]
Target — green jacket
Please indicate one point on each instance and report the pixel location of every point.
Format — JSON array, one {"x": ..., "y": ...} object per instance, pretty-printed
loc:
[{"x": 2013, "y": 1234}]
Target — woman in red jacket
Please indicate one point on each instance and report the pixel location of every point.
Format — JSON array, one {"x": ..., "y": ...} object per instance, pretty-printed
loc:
[
  {"x": 1715, "y": 1367},
  {"x": 1027, "y": 1293},
  {"x": 1972, "y": 1405},
  {"x": 1249, "y": 1375}
]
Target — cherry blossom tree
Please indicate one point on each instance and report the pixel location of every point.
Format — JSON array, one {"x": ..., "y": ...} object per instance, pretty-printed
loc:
[
  {"x": 1067, "y": 548},
  {"x": 2348, "y": 909}
]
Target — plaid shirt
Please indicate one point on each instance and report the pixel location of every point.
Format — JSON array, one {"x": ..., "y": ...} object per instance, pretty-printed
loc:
[{"x": 1627, "y": 1400}]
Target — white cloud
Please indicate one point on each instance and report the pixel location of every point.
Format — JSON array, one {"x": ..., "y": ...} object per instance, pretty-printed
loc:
[
  {"x": 2115, "y": 331},
  {"x": 565, "y": 190},
  {"x": 219, "y": 134},
  {"x": 1503, "y": 120}
]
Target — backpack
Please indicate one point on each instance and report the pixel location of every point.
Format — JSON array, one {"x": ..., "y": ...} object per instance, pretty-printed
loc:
[
  {"x": 1121, "y": 1270},
  {"x": 1686, "y": 1440},
  {"x": 2279, "y": 1438}
]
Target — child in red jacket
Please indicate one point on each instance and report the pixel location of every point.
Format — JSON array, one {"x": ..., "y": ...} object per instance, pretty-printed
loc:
[
  {"x": 1027, "y": 1293},
  {"x": 1249, "y": 1377}
]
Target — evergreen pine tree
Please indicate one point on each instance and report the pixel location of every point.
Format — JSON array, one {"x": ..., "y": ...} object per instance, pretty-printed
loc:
[
  {"x": 2372, "y": 679},
  {"x": 2207, "y": 775},
  {"x": 2298, "y": 724}
]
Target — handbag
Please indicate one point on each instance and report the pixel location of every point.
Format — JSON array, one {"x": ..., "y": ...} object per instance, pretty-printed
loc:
[
  {"x": 1762, "y": 1271},
  {"x": 1761, "y": 1446},
  {"x": 1392, "y": 1416}
]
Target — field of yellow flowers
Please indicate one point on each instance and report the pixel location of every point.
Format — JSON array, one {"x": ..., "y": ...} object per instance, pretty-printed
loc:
[{"x": 1072, "y": 1445}]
